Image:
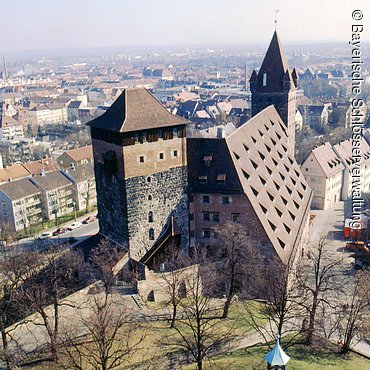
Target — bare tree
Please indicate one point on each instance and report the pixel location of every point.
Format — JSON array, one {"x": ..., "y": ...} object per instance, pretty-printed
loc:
[
  {"x": 317, "y": 278},
  {"x": 355, "y": 311},
  {"x": 103, "y": 258},
  {"x": 238, "y": 263},
  {"x": 282, "y": 308},
  {"x": 173, "y": 276},
  {"x": 44, "y": 293},
  {"x": 89, "y": 183},
  {"x": 110, "y": 333},
  {"x": 14, "y": 268},
  {"x": 198, "y": 329}
]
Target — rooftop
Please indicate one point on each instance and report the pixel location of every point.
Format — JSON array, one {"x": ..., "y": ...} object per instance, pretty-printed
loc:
[
  {"x": 19, "y": 189},
  {"x": 134, "y": 110}
]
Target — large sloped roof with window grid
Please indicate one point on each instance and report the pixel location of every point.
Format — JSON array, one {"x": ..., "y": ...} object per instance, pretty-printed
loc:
[
  {"x": 271, "y": 178},
  {"x": 134, "y": 110}
]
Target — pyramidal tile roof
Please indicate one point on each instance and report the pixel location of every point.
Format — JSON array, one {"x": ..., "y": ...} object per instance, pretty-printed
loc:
[
  {"x": 274, "y": 67},
  {"x": 271, "y": 178},
  {"x": 134, "y": 110}
]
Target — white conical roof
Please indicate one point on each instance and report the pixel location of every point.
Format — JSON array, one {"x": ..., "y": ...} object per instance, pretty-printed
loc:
[{"x": 277, "y": 357}]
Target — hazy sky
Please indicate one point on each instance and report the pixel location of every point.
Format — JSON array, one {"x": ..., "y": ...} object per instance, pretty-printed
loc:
[{"x": 49, "y": 24}]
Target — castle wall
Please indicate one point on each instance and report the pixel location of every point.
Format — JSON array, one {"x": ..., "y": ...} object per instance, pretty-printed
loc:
[
  {"x": 164, "y": 195},
  {"x": 111, "y": 193}
]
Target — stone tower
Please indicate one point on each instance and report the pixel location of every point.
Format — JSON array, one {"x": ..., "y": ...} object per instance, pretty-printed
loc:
[
  {"x": 141, "y": 172},
  {"x": 274, "y": 84}
]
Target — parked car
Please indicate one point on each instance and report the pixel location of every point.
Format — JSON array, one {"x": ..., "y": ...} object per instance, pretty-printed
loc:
[
  {"x": 59, "y": 231},
  {"x": 89, "y": 220},
  {"x": 75, "y": 225},
  {"x": 45, "y": 235}
]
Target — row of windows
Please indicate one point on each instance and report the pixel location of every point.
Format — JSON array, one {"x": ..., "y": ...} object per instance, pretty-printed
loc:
[
  {"x": 161, "y": 156},
  {"x": 207, "y": 199},
  {"x": 215, "y": 216},
  {"x": 167, "y": 133}
]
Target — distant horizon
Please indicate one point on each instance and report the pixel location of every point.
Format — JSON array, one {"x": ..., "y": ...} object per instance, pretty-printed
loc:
[
  {"x": 41, "y": 25},
  {"x": 142, "y": 47}
]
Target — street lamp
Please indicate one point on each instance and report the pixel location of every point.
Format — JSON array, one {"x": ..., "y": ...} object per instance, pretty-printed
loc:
[{"x": 276, "y": 358}]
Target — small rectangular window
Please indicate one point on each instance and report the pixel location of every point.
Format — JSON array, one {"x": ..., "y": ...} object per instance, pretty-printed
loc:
[
  {"x": 226, "y": 200},
  {"x": 216, "y": 217},
  {"x": 141, "y": 159},
  {"x": 206, "y": 216},
  {"x": 235, "y": 217},
  {"x": 175, "y": 153},
  {"x": 206, "y": 233},
  {"x": 161, "y": 156},
  {"x": 205, "y": 198}
]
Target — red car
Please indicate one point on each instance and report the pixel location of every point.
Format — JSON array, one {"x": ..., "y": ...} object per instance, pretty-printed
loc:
[
  {"x": 89, "y": 220},
  {"x": 59, "y": 231}
]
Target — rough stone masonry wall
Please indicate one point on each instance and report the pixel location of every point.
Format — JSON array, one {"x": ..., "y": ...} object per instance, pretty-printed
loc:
[
  {"x": 165, "y": 195},
  {"x": 111, "y": 198}
]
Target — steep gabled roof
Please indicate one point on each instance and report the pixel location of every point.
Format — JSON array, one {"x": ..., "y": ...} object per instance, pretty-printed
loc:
[
  {"x": 275, "y": 67},
  {"x": 327, "y": 159},
  {"x": 271, "y": 178},
  {"x": 134, "y": 110}
]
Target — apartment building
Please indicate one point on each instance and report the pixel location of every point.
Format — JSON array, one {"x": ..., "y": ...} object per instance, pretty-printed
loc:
[
  {"x": 324, "y": 171},
  {"x": 21, "y": 205}
]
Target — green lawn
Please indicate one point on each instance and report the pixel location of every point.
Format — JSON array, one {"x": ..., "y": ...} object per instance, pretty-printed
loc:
[{"x": 301, "y": 359}]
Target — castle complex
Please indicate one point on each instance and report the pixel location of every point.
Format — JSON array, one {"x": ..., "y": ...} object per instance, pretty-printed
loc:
[{"x": 155, "y": 184}]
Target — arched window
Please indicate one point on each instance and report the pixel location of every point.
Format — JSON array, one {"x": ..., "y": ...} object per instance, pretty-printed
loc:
[
  {"x": 150, "y": 216},
  {"x": 151, "y": 234},
  {"x": 150, "y": 197}
]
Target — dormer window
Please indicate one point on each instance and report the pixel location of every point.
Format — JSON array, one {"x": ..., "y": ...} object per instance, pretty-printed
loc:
[
  {"x": 202, "y": 179},
  {"x": 264, "y": 79},
  {"x": 221, "y": 179}
]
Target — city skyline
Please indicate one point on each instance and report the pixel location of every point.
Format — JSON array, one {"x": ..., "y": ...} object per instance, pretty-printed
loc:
[{"x": 70, "y": 25}]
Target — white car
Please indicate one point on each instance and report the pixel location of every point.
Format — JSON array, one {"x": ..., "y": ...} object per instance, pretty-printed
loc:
[
  {"x": 45, "y": 235},
  {"x": 73, "y": 226}
]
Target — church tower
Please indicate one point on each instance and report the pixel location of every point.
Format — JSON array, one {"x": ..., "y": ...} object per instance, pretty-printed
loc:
[{"x": 275, "y": 84}]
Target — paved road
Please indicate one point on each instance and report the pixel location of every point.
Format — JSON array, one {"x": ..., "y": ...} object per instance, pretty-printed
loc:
[
  {"x": 331, "y": 222},
  {"x": 81, "y": 233}
]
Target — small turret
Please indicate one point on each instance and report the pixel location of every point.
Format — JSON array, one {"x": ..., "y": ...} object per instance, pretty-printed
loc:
[
  {"x": 287, "y": 81},
  {"x": 295, "y": 77},
  {"x": 253, "y": 80}
]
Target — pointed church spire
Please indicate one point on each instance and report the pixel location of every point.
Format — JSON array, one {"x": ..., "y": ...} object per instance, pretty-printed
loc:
[{"x": 273, "y": 68}]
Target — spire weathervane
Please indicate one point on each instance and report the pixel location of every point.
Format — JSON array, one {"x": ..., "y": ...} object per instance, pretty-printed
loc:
[{"x": 276, "y": 11}]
